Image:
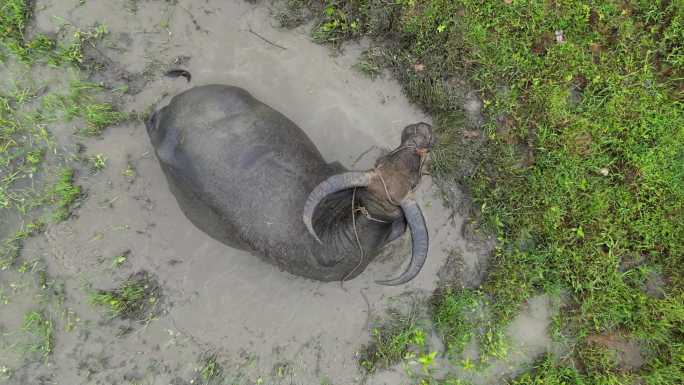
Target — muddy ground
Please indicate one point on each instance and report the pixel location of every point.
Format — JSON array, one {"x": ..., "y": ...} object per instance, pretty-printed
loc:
[{"x": 263, "y": 325}]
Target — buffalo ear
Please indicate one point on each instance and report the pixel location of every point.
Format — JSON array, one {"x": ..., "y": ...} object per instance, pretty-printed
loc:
[{"x": 419, "y": 242}]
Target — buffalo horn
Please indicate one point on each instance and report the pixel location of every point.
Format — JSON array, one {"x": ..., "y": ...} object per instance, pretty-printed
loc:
[
  {"x": 329, "y": 186},
  {"x": 419, "y": 242}
]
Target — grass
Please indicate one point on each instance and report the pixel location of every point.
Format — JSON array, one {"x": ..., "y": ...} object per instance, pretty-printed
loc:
[
  {"x": 137, "y": 298},
  {"x": 41, "y": 333},
  {"x": 97, "y": 163},
  {"x": 26, "y": 112},
  {"x": 581, "y": 177},
  {"x": 120, "y": 260},
  {"x": 210, "y": 371},
  {"x": 129, "y": 173},
  {"x": 292, "y": 13},
  {"x": 454, "y": 316},
  {"x": 549, "y": 372},
  {"x": 370, "y": 63},
  {"x": 393, "y": 340},
  {"x": 81, "y": 102},
  {"x": 64, "y": 194},
  {"x": 37, "y": 180},
  {"x": 14, "y": 40}
]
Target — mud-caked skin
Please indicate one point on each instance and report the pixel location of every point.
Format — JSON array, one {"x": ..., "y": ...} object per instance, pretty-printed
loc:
[{"x": 242, "y": 172}]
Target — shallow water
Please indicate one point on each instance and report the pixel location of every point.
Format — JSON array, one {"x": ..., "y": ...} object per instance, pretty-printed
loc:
[{"x": 255, "y": 317}]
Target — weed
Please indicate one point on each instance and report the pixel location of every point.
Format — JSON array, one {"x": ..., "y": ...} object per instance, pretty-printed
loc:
[
  {"x": 5, "y": 373},
  {"x": 426, "y": 360},
  {"x": 493, "y": 342},
  {"x": 598, "y": 360},
  {"x": 392, "y": 341},
  {"x": 98, "y": 116},
  {"x": 138, "y": 298},
  {"x": 449, "y": 380},
  {"x": 550, "y": 372},
  {"x": 98, "y": 162},
  {"x": 371, "y": 62},
  {"x": 453, "y": 314},
  {"x": 41, "y": 331},
  {"x": 293, "y": 14},
  {"x": 14, "y": 16},
  {"x": 119, "y": 260},
  {"x": 9, "y": 252},
  {"x": 129, "y": 173},
  {"x": 4, "y": 298},
  {"x": 11, "y": 247},
  {"x": 210, "y": 372},
  {"x": 336, "y": 26},
  {"x": 81, "y": 103},
  {"x": 69, "y": 319},
  {"x": 72, "y": 52},
  {"x": 64, "y": 194}
]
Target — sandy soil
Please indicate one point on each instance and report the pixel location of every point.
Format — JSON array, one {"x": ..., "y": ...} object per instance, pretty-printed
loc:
[{"x": 217, "y": 299}]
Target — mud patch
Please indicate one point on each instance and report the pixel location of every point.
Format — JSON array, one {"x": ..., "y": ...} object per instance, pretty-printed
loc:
[{"x": 626, "y": 354}]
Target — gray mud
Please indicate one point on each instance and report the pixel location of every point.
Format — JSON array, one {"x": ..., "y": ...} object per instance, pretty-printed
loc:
[{"x": 259, "y": 322}]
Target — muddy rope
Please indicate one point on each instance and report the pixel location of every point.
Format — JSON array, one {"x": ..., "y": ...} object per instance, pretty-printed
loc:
[{"x": 358, "y": 242}]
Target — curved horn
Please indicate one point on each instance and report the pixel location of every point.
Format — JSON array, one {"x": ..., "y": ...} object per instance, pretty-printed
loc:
[
  {"x": 419, "y": 242},
  {"x": 332, "y": 185}
]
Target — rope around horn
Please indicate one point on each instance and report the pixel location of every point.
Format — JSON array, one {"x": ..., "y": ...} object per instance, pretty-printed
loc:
[{"x": 358, "y": 242}]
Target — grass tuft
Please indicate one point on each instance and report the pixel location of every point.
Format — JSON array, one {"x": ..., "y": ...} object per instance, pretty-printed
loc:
[
  {"x": 392, "y": 340},
  {"x": 211, "y": 371},
  {"x": 454, "y": 316},
  {"x": 138, "y": 298},
  {"x": 371, "y": 63},
  {"x": 64, "y": 194},
  {"x": 41, "y": 333}
]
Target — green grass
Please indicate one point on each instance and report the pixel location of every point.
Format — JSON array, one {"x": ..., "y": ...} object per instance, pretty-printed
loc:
[
  {"x": 14, "y": 42},
  {"x": 211, "y": 371},
  {"x": 393, "y": 340},
  {"x": 120, "y": 260},
  {"x": 41, "y": 333},
  {"x": 370, "y": 63},
  {"x": 64, "y": 194},
  {"x": 14, "y": 16},
  {"x": 26, "y": 113},
  {"x": 454, "y": 314},
  {"x": 549, "y": 372},
  {"x": 336, "y": 25},
  {"x": 581, "y": 178},
  {"x": 81, "y": 103},
  {"x": 97, "y": 163},
  {"x": 137, "y": 298}
]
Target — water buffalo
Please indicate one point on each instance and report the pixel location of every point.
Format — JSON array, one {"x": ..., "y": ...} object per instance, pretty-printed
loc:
[{"x": 249, "y": 177}]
